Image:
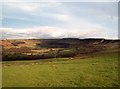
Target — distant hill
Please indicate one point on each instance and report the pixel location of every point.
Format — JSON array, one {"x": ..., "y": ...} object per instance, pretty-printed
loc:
[
  {"x": 18, "y": 43},
  {"x": 58, "y": 43},
  {"x": 72, "y": 42},
  {"x": 26, "y": 49}
]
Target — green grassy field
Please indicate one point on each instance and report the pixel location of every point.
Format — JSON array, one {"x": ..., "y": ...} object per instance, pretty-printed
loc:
[{"x": 98, "y": 71}]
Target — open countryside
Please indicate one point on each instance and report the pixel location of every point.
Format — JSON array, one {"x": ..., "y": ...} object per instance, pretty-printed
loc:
[{"x": 71, "y": 63}]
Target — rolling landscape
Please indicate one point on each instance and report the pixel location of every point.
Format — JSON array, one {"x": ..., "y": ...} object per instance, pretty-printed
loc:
[
  {"x": 67, "y": 62},
  {"x": 59, "y": 44}
]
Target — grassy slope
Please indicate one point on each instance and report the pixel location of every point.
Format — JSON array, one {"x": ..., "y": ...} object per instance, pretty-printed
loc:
[{"x": 101, "y": 70}]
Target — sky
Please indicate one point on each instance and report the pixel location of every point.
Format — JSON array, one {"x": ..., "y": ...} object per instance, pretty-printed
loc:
[{"x": 28, "y": 20}]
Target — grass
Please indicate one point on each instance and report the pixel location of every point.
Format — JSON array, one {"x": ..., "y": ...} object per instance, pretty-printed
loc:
[{"x": 99, "y": 71}]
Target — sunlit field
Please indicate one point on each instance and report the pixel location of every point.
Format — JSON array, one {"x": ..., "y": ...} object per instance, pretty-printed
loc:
[{"x": 98, "y": 71}]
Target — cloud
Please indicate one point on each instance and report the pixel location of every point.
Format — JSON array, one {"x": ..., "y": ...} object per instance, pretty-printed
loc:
[
  {"x": 63, "y": 17},
  {"x": 51, "y": 32},
  {"x": 31, "y": 6},
  {"x": 23, "y": 6},
  {"x": 59, "y": 19},
  {"x": 60, "y": 0}
]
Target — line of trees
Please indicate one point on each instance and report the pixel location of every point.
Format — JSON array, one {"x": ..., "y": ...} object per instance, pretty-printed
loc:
[{"x": 32, "y": 56}]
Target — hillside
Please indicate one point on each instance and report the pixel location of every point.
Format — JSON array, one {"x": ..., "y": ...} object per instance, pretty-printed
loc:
[
  {"x": 56, "y": 42},
  {"x": 54, "y": 48}
]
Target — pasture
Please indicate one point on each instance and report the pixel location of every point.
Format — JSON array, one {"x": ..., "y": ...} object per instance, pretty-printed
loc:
[{"x": 98, "y": 71}]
